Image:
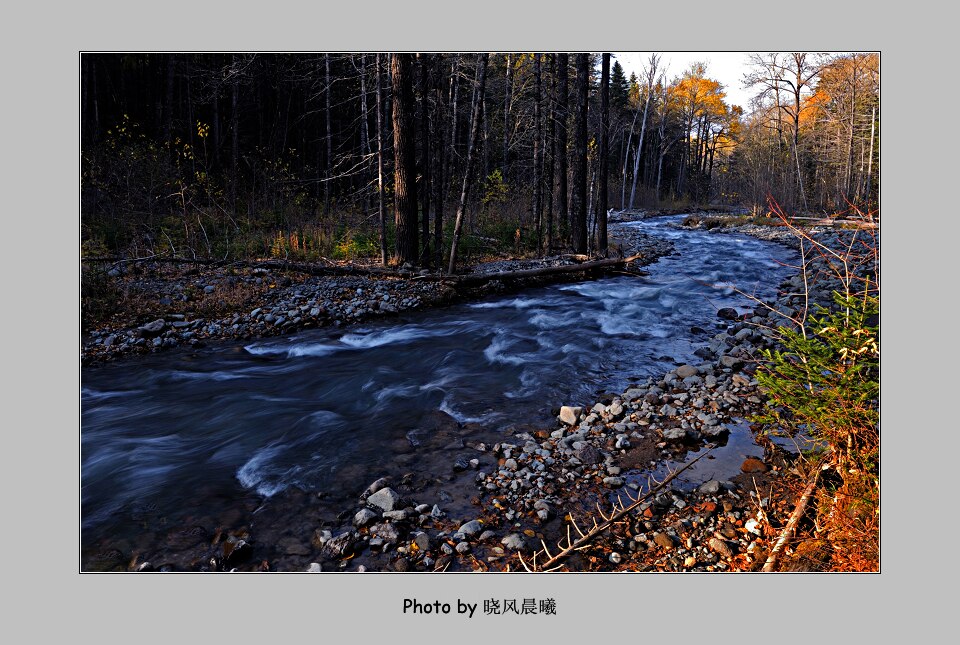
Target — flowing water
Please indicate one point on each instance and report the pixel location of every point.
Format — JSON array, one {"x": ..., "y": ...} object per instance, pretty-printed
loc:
[{"x": 186, "y": 434}]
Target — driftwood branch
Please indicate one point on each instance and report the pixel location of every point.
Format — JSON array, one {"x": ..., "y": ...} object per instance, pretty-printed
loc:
[
  {"x": 791, "y": 526},
  {"x": 620, "y": 510}
]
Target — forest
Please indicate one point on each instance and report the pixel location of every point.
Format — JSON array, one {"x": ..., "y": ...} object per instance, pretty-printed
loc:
[{"x": 429, "y": 157}]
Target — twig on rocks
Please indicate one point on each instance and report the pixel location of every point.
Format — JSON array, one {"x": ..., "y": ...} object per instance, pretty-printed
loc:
[{"x": 568, "y": 545}]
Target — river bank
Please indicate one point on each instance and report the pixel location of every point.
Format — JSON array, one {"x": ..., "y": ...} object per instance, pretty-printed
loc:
[
  {"x": 522, "y": 486},
  {"x": 155, "y": 306}
]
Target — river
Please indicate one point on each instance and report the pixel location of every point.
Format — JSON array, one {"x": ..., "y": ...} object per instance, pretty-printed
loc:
[{"x": 205, "y": 437}]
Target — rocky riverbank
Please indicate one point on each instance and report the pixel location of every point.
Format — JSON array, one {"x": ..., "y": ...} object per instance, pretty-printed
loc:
[{"x": 539, "y": 480}]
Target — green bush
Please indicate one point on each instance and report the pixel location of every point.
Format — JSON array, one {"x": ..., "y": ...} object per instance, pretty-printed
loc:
[{"x": 825, "y": 381}]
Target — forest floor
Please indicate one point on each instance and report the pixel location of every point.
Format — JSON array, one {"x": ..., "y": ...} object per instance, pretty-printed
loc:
[{"x": 544, "y": 478}]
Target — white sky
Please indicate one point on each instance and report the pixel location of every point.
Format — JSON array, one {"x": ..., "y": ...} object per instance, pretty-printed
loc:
[{"x": 726, "y": 67}]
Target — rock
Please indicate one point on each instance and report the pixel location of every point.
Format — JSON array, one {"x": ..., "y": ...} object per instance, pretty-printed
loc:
[
  {"x": 720, "y": 547},
  {"x": 588, "y": 454},
  {"x": 754, "y": 465},
  {"x": 685, "y": 371},
  {"x": 613, "y": 482},
  {"x": 633, "y": 394},
  {"x": 386, "y": 499},
  {"x": 714, "y": 431},
  {"x": 235, "y": 551},
  {"x": 396, "y": 516},
  {"x": 422, "y": 541},
  {"x": 209, "y": 288},
  {"x": 615, "y": 410},
  {"x": 153, "y": 329},
  {"x": 292, "y": 546},
  {"x": 315, "y": 568},
  {"x": 711, "y": 487},
  {"x": 730, "y": 361},
  {"x": 675, "y": 434},
  {"x": 510, "y": 464},
  {"x": 364, "y": 517},
  {"x": 727, "y": 313},
  {"x": 321, "y": 537},
  {"x": 514, "y": 542},
  {"x": 386, "y": 531},
  {"x": 340, "y": 546},
  {"x": 375, "y": 486},
  {"x": 741, "y": 380},
  {"x": 463, "y": 547},
  {"x": 664, "y": 540},
  {"x": 615, "y": 558},
  {"x": 470, "y": 528},
  {"x": 460, "y": 464},
  {"x": 569, "y": 415},
  {"x": 689, "y": 561}
]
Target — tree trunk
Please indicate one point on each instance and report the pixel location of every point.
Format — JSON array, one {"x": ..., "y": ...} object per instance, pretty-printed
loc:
[
  {"x": 506, "y": 119},
  {"x": 439, "y": 158},
  {"x": 234, "y": 143},
  {"x": 425, "y": 157},
  {"x": 326, "y": 184},
  {"x": 553, "y": 157},
  {"x": 364, "y": 131},
  {"x": 563, "y": 212},
  {"x": 537, "y": 152},
  {"x": 626, "y": 162},
  {"x": 578, "y": 201},
  {"x": 380, "y": 141},
  {"x": 604, "y": 144},
  {"x": 474, "y": 135},
  {"x": 405, "y": 159}
]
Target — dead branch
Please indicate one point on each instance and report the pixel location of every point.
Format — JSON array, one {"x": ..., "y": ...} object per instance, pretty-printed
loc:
[
  {"x": 568, "y": 546},
  {"x": 791, "y": 524}
]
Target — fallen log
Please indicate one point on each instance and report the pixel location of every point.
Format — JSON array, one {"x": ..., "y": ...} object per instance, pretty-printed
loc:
[
  {"x": 481, "y": 278},
  {"x": 470, "y": 279}
]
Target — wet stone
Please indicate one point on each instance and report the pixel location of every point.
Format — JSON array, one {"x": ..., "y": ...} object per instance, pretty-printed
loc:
[{"x": 386, "y": 499}]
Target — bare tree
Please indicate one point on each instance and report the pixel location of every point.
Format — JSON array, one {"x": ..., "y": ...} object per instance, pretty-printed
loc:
[
  {"x": 650, "y": 75},
  {"x": 474, "y": 135},
  {"x": 791, "y": 75}
]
